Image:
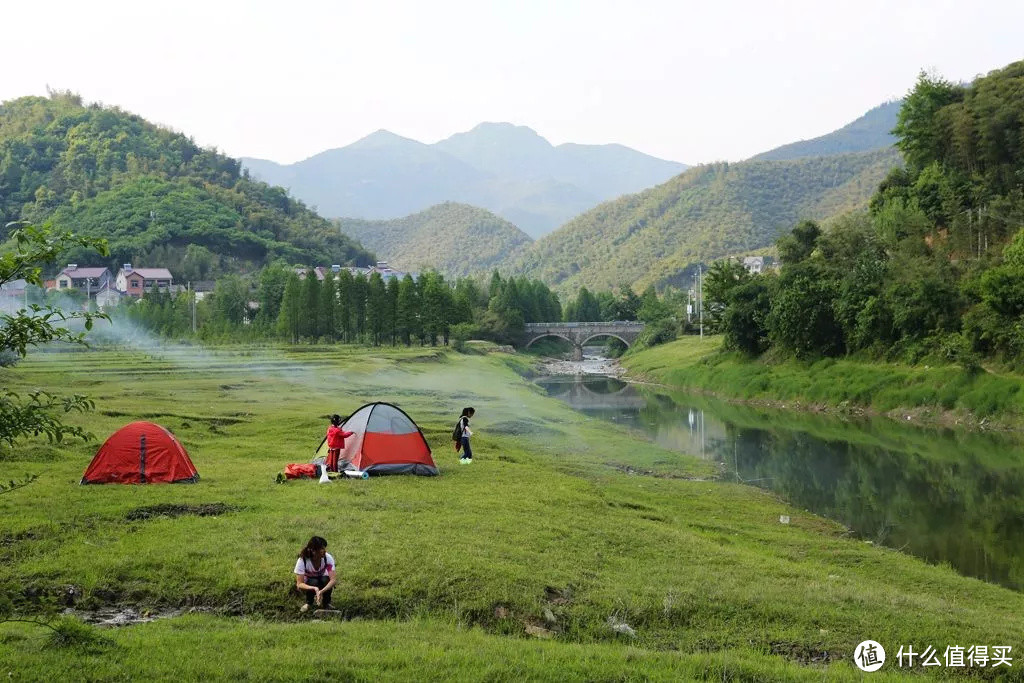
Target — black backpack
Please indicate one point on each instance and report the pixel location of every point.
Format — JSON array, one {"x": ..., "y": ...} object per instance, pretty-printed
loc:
[{"x": 457, "y": 432}]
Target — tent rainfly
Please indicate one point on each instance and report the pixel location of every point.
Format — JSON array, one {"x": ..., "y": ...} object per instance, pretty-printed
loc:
[
  {"x": 141, "y": 453},
  {"x": 385, "y": 441}
]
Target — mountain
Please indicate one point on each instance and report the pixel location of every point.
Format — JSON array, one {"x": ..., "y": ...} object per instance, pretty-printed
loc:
[
  {"x": 510, "y": 170},
  {"x": 456, "y": 239},
  {"x": 871, "y": 131},
  {"x": 710, "y": 211},
  {"x": 158, "y": 198}
]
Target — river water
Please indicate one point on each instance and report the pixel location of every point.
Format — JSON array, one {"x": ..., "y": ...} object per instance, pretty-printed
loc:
[{"x": 943, "y": 495}]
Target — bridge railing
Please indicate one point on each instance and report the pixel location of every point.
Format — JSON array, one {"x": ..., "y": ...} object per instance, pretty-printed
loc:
[{"x": 611, "y": 323}]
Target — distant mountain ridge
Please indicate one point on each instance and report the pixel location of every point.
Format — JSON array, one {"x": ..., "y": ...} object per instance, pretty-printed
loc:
[
  {"x": 507, "y": 169},
  {"x": 455, "y": 239},
  {"x": 871, "y": 131}
]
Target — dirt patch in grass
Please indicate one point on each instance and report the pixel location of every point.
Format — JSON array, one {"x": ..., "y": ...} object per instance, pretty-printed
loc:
[
  {"x": 643, "y": 472},
  {"x": 523, "y": 428},
  {"x": 177, "y": 510},
  {"x": 214, "y": 420},
  {"x": 802, "y": 653}
]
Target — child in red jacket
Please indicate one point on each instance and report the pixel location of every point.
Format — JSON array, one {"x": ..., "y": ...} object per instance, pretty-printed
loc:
[{"x": 335, "y": 442}]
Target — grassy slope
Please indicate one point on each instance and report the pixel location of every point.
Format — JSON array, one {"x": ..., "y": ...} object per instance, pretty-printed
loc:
[
  {"x": 702, "y": 214},
  {"x": 944, "y": 393},
  {"x": 542, "y": 520},
  {"x": 456, "y": 239}
]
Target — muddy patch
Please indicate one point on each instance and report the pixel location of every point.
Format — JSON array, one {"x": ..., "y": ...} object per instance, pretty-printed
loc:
[
  {"x": 802, "y": 653},
  {"x": 215, "y": 420},
  {"x": 523, "y": 428},
  {"x": 178, "y": 510},
  {"x": 124, "y": 616}
]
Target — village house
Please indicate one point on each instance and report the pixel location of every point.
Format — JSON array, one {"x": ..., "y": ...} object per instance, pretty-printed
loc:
[
  {"x": 320, "y": 272},
  {"x": 88, "y": 280},
  {"x": 108, "y": 297},
  {"x": 137, "y": 281},
  {"x": 385, "y": 271},
  {"x": 756, "y": 265},
  {"x": 13, "y": 296}
]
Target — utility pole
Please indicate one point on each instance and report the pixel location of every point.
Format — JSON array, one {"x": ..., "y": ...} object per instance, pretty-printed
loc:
[
  {"x": 192, "y": 300},
  {"x": 700, "y": 296}
]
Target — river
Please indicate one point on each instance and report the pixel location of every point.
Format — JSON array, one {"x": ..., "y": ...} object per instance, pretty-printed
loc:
[{"x": 947, "y": 496}]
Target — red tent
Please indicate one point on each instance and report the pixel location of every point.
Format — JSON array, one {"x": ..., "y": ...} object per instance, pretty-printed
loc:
[
  {"x": 141, "y": 453},
  {"x": 386, "y": 441}
]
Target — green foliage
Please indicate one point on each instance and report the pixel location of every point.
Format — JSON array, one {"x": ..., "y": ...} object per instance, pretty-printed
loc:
[
  {"x": 798, "y": 244},
  {"x": 152, "y": 193},
  {"x": 745, "y": 322},
  {"x": 919, "y": 277},
  {"x": 709, "y": 212},
  {"x": 39, "y": 412},
  {"x": 454, "y": 239}
]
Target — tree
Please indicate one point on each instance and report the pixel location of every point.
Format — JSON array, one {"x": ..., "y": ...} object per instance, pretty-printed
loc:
[
  {"x": 744, "y": 320},
  {"x": 343, "y": 313},
  {"x": 272, "y": 282},
  {"x": 801, "y": 319},
  {"x": 798, "y": 245},
  {"x": 289, "y": 320},
  {"x": 376, "y": 303},
  {"x": 309, "y": 324},
  {"x": 231, "y": 299},
  {"x": 406, "y": 318},
  {"x": 328, "y": 307},
  {"x": 39, "y": 412},
  {"x": 721, "y": 279},
  {"x": 921, "y": 138}
]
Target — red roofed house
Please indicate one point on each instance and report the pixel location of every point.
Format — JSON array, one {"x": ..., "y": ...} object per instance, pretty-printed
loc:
[{"x": 137, "y": 281}]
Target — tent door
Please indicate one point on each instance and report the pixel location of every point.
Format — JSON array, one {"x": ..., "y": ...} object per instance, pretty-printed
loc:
[{"x": 142, "y": 459}]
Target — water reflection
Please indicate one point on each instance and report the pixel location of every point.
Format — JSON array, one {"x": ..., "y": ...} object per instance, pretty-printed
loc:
[{"x": 945, "y": 496}]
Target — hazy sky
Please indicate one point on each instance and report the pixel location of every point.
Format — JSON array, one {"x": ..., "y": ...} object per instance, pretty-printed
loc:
[{"x": 689, "y": 81}]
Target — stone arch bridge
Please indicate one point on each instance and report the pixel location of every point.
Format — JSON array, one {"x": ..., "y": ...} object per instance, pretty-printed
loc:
[{"x": 578, "y": 334}]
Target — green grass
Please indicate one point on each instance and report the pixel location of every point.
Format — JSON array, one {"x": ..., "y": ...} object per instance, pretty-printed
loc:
[
  {"x": 942, "y": 393},
  {"x": 439, "y": 577}
]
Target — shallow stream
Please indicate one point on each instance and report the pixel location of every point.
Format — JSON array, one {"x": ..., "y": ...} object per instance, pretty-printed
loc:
[{"x": 944, "y": 495}]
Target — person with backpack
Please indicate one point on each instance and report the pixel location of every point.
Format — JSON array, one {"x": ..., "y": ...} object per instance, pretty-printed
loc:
[
  {"x": 335, "y": 443},
  {"x": 314, "y": 574},
  {"x": 461, "y": 435}
]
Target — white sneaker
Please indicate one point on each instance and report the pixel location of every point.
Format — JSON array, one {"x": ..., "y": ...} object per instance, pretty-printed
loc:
[{"x": 304, "y": 608}]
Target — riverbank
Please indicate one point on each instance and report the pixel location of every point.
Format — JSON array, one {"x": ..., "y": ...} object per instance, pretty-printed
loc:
[
  {"x": 946, "y": 396},
  {"x": 544, "y": 559}
]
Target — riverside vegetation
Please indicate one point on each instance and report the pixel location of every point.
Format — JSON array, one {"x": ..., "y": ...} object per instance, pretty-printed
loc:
[
  {"x": 915, "y": 304},
  {"x": 532, "y": 563}
]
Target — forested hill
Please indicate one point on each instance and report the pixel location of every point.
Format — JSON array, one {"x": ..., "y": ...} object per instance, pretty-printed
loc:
[
  {"x": 707, "y": 212},
  {"x": 869, "y": 132},
  {"x": 456, "y": 239},
  {"x": 160, "y": 199}
]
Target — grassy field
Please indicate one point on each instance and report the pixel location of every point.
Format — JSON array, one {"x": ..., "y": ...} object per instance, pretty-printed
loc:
[
  {"x": 944, "y": 394},
  {"x": 516, "y": 567}
]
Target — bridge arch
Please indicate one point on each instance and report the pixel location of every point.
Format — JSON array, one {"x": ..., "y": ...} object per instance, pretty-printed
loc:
[
  {"x": 607, "y": 334},
  {"x": 549, "y": 334}
]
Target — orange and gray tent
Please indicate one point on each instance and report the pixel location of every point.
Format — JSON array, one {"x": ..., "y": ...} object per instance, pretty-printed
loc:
[
  {"x": 141, "y": 453},
  {"x": 385, "y": 441}
]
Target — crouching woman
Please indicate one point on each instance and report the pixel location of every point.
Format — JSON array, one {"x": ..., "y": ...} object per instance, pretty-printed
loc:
[{"x": 314, "y": 574}]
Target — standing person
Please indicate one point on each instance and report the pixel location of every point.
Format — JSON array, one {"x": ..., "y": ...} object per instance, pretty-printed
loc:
[
  {"x": 335, "y": 442},
  {"x": 463, "y": 432},
  {"x": 314, "y": 574}
]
